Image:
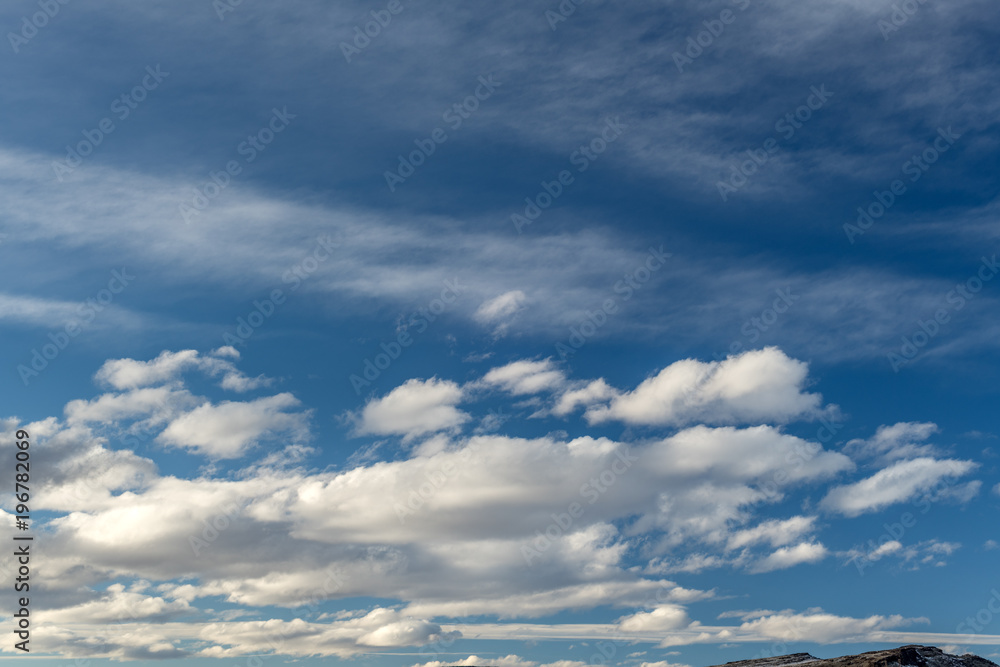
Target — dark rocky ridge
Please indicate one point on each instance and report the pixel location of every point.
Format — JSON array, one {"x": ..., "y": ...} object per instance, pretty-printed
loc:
[{"x": 904, "y": 656}]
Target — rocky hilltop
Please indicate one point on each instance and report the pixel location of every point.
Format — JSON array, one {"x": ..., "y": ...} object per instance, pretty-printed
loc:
[{"x": 904, "y": 656}]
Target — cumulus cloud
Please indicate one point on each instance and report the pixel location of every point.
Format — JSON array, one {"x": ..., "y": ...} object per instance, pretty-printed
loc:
[
  {"x": 664, "y": 617},
  {"x": 592, "y": 392},
  {"x": 168, "y": 366},
  {"x": 476, "y": 661},
  {"x": 899, "y": 482},
  {"x": 525, "y": 377},
  {"x": 153, "y": 405},
  {"x": 117, "y": 605},
  {"x": 756, "y": 386},
  {"x": 775, "y": 532},
  {"x": 414, "y": 408},
  {"x": 479, "y": 508},
  {"x": 785, "y": 557},
  {"x": 228, "y": 429},
  {"x": 816, "y": 626},
  {"x": 904, "y": 440}
]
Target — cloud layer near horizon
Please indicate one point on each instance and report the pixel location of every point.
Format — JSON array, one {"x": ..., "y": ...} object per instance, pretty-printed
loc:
[{"x": 535, "y": 525}]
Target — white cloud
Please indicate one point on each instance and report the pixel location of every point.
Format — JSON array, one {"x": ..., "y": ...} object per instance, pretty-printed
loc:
[
  {"x": 226, "y": 430},
  {"x": 889, "y": 547},
  {"x": 756, "y": 386},
  {"x": 661, "y": 619},
  {"x": 785, "y": 557},
  {"x": 911, "y": 557},
  {"x": 168, "y": 366},
  {"x": 504, "y": 661},
  {"x": 775, "y": 532},
  {"x": 897, "y": 483},
  {"x": 526, "y": 377},
  {"x": 118, "y": 604},
  {"x": 499, "y": 310},
  {"x": 821, "y": 627},
  {"x": 593, "y": 392},
  {"x": 474, "y": 504},
  {"x": 416, "y": 407},
  {"x": 899, "y": 441},
  {"x": 158, "y": 404}
]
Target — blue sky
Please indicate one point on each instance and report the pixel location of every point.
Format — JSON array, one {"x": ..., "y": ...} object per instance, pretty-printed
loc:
[{"x": 532, "y": 335}]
